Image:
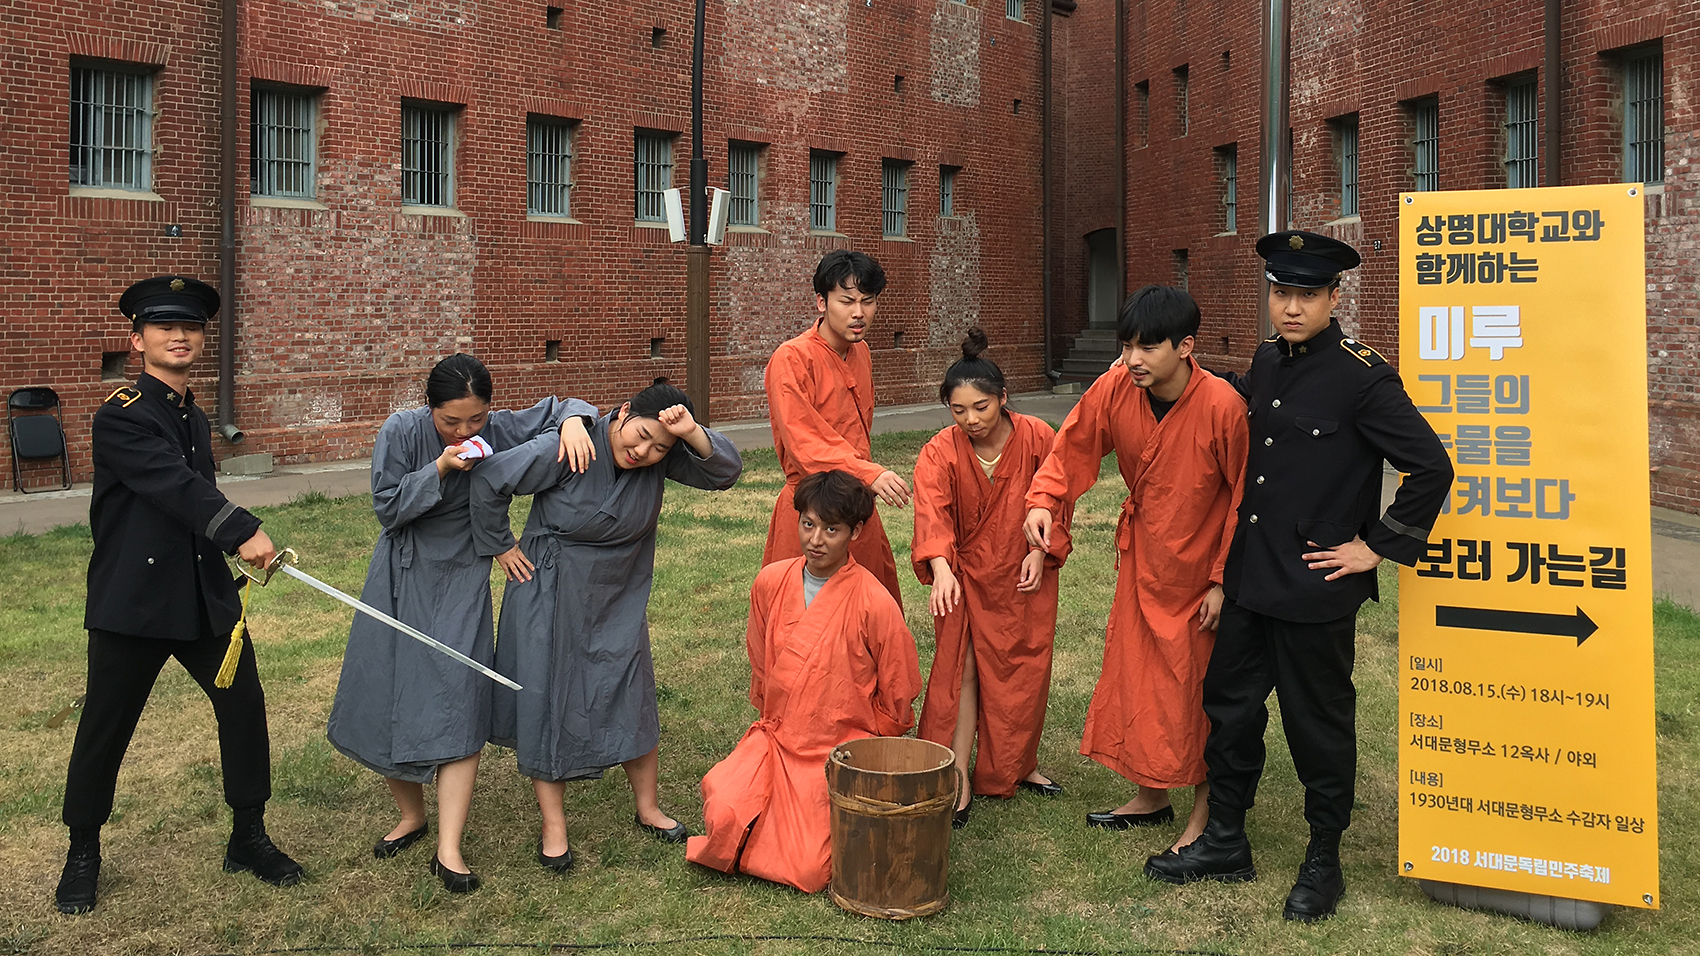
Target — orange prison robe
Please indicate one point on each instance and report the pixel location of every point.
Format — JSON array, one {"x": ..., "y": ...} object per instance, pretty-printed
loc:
[
  {"x": 1184, "y": 477},
  {"x": 821, "y": 408},
  {"x": 841, "y": 669},
  {"x": 974, "y": 523}
]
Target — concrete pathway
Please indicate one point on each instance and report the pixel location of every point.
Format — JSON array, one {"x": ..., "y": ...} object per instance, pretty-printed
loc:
[{"x": 1676, "y": 536}]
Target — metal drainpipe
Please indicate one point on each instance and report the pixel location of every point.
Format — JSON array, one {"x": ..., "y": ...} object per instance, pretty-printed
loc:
[
  {"x": 227, "y": 226},
  {"x": 1045, "y": 185},
  {"x": 1121, "y": 151},
  {"x": 1554, "y": 80},
  {"x": 1273, "y": 189}
]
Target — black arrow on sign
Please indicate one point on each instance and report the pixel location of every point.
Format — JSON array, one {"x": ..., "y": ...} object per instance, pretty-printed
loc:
[{"x": 1577, "y": 625}]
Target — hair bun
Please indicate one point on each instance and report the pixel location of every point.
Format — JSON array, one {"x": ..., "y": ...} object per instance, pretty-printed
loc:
[
  {"x": 659, "y": 380},
  {"x": 974, "y": 343}
]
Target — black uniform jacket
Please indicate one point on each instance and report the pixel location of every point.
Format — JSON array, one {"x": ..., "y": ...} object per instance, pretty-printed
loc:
[
  {"x": 1324, "y": 414},
  {"x": 159, "y": 522}
]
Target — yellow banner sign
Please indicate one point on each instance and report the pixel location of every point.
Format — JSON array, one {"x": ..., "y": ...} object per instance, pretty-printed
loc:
[{"x": 1526, "y": 754}]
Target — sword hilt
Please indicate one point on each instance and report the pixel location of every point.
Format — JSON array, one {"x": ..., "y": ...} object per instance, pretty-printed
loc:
[{"x": 283, "y": 557}]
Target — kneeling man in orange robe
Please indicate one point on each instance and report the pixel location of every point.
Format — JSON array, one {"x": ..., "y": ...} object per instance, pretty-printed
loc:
[{"x": 830, "y": 660}]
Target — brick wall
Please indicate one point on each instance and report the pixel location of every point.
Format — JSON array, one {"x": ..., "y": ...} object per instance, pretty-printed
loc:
[
  {"x": 344, "y": 302},
  {"x": 1369, "y": 58}
]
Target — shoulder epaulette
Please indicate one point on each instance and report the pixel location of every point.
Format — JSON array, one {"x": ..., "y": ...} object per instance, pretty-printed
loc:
[
  {"x": 124, "y": 396},
  {"x": 1362, "y": 352}
]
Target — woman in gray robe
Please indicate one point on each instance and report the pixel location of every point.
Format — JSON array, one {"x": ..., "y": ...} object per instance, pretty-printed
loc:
[
  {"x": 403, "y": 709},
  {"x": 574, "y": 630}
]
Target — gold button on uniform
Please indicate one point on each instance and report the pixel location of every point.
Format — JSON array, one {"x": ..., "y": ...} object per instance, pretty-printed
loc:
[
  {"x": 1316, "y": 431},
  {"x": 1275, "y": 404},
  {"x": 1260, "y": 479},
  {"x": 1254, "y": 519},
  {"x": 1269, "y": 441}
]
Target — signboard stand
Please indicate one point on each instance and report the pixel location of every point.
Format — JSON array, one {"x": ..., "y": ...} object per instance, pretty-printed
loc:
[{"x": 1527, "y": 758}]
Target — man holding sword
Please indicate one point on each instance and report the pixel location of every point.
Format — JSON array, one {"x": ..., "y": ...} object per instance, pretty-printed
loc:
[{"x": 158, "y": 588}]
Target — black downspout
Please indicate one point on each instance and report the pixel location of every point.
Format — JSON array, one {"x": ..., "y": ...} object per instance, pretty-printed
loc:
[
  {"x": 227, "y": 226},
  {"x": 1121, "y": 151},
  {"x": 1554, "y": 84},
  {"x": 1045, "y": 185}
]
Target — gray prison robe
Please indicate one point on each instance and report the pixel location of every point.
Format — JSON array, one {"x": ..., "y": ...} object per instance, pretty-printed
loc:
[
  {"x": 576, "y": 635},
  {"x": 403, "y": 708}
]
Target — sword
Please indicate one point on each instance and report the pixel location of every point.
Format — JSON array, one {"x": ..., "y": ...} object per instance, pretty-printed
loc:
[{"x": 285, "y": 562}]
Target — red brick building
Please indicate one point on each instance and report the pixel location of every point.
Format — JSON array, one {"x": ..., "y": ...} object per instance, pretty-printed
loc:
[
  {"x": 1405, "y": 94},
  {"x": 420, "y": 178}
]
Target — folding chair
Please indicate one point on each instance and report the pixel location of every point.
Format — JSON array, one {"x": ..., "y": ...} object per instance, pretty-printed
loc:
[{"x": 37, "y": 432}]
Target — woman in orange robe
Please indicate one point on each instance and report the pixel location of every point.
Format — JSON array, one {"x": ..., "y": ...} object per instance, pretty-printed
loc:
[
  {"x": 994, "y": 598},
  {"x": 1180, "y": 440},
  {"x": 830, "y": 660}
]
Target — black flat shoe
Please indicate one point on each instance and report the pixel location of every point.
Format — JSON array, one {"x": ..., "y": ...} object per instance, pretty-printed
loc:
[
  {"x": 560, "y": 864},
  {"x": 673, "y": 834},
  {"x": 1110, "y": 820},
  {"x": 452, "y": 881},
  {"x": 384, "y": 849},
  {"x": 959, "y": 819},
  {"x": 1052, "y": 789}
]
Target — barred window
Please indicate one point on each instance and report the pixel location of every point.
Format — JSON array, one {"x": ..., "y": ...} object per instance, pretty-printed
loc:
[
  {"x": 894, "y": 198},
  {"x": 743, "y": 171},
  {"x": 653, "y": 173},
  {"x": 280, "y": 143},
  {"x": 1644, "y": 117},
  {"x": 823, "y": 191},
  {"x": 947, "y": 190},
  {"x": 111, "y": 127},
  {"x": 427, "y": 154},
  {"x": 548, "y": 166},
  {"x": 1015, "y": 9},
  {"x": 1227, "y": 164},
  {"x": 1521, "y": 146},
  {"x": 1425, "y": 145},
  {"x": 1346, "y": 147}
]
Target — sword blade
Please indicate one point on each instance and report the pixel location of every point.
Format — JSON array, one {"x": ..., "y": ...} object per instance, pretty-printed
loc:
[{"x": 409, "y": 630}]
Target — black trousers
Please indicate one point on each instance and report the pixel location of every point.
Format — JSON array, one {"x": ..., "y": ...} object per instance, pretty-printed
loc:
[
  {"x": 122, "y": 671},
  {"x": 1309, "y": 667}
]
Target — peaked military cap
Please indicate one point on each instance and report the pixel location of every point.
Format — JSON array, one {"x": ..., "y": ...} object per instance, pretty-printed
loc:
[
  {"x": 1305, "y": 260},
  {"x": 169, "y": 299}
]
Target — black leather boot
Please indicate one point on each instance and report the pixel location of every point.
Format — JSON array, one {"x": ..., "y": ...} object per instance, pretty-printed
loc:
[
  {"x": 1320, "y": 884},
  {"x": 1221, "y": 853},
  {"x": 80, "y": 880},
  {"x": 251, "y": 851}
]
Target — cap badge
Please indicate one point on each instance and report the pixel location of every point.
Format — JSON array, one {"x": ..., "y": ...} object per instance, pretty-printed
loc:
[
  {"x": 177, "y": 284},
  {"x": 1296, "y": 242}
]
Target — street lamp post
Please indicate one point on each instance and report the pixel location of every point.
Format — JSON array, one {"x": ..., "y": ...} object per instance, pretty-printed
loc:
[{"x": 696, "y": 256}]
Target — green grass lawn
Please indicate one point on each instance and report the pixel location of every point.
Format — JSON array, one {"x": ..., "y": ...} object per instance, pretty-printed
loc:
[{"x": 1026, "y": 874}]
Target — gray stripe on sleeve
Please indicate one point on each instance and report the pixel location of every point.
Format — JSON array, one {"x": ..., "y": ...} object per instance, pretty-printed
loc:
[
  {"x": 1421, "y": 534},
  {"x": 219, "y": 519}
]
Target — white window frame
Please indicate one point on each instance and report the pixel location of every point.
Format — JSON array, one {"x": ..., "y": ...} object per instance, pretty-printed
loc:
[
  {"x": 111, "y": 102},
  {"x": 1228, "y": 162},
  {"x": 1015, "y": 10},
  {"x": 947, "y": 191}
]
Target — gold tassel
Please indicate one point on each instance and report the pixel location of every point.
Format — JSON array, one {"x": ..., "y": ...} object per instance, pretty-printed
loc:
[{"x": 227, "y": 670}]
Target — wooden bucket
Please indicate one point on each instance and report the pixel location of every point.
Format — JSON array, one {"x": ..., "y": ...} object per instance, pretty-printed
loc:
[{"x": 892, "y": 800}]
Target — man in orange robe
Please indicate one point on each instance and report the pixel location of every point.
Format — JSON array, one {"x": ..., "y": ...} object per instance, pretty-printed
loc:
[
  {"x": 973, "y": 522},
  {"x": 830, "y": 660},
  {"x": 820, "y": 399},
  {"x": 1180, "y": 443}
]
